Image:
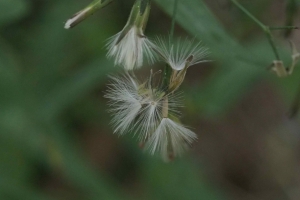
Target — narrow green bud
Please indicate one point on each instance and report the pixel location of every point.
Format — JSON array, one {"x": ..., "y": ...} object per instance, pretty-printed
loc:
[
  {"x": 138, "y": 17},
  {"x": 144, "y": 11},
  {"x": 139, "y": 14},
  {"x": 86, "y": 12}
]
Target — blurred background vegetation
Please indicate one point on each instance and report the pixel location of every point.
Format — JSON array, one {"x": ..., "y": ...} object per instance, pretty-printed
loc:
[{"x": 55, "y": 141}]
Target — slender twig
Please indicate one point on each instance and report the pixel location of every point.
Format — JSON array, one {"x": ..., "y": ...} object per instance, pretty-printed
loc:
[
  {"x": 271, "y": 41},
  {"x": 242, "y": 8},
  {"x": 173, "y": 20},
  {"x": 284, "y": 28},
  {"x": 291, "y": 12},
  {"x": 265, "y": 28},
  {"x": 168, "y": 70},
  {"x": 86, "y": 12}
]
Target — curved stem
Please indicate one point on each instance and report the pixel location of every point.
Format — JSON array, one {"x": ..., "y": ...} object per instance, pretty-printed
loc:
[
  {"x": 271, "y": 41},
  {"x": 168, "y": 69},
  {"x": 265, "y": 28},
  {"x": 284, "y": 28},
  {"x": 248, "y": 13},
  {"x": 173, "y": 20}
]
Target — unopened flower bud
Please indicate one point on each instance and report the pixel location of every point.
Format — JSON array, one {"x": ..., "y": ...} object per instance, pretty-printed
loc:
[{"x": 86, "y": 12}]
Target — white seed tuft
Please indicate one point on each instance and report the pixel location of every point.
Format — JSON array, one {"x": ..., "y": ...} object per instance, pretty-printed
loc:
[
  {"x": 181, "y": 52},
  {"x": 171, "y": 139},
  {"x": 125, "y": 102},
  {"x": 130, "y": 50},
  {"x": 145, "y": 110}
]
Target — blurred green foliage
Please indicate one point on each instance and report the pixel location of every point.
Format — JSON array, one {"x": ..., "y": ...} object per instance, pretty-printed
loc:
[{"x": 48, "y": 73}]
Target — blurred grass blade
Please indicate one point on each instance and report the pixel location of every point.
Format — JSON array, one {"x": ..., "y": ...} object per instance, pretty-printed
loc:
[
  {"x": 76, "y": 169},
  {"x": 9, "y": 189},
  {"x": 12, "y": 10},
  {"x": 76, "y": 87}
]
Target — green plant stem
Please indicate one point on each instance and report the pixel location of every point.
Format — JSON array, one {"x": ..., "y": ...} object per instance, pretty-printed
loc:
[
  {"x": 284, "y": 28},
  {"x": 291, "y": 12},
  {"x": 265, "y": 28},
  {"x": 168, "y": 69},
  {"x": 248, "y": 13},
  {"x": 271, "y": 41},
  {"x": 86, "y": 12},
  {"x": 144, "y": 4},
  {"x": 173, "y": 20}
]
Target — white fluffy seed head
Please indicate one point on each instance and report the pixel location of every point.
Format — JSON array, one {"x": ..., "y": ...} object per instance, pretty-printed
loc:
[
  {"x": 134, "y": 106},
  {"x": 180, "y": 52},
  {"x": 124, "y": 102},
  {"x": 137, "y": 107},
  {"x": 131, "y": 50},
  {"x": 171, "y": 139}
]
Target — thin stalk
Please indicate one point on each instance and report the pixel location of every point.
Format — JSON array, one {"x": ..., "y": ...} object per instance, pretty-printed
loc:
[
  {"x": 166, "y": 78},
  {"x": 165, "y": 107},
  {"x": 86, "y": 12},
  {"x": 265, "y": 28},
  {"x": 259, "y": 23},
  {"x": 173, "y": 20},
  {"x": 271, "y": 41},
  {"x": 291, "y": 12},
  {"x": 168, "y": 69},
  {"x": 284, "y": 28}
]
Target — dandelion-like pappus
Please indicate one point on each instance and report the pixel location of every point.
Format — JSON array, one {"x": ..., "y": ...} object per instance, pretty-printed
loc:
[
  {"x": 130, "y": 46},
  {"x": 151, "y": 112}
]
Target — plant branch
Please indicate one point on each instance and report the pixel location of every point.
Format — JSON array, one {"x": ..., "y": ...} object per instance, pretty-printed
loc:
[
  {"x": 265, "y": 28},
  {"x": 168, "y": 69},
  {"x": 284, "y": 28},
  {"x": 86, "y": 12},
  {"x": 173, "y": 20},
  {"x": 291, "y": 12}
]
